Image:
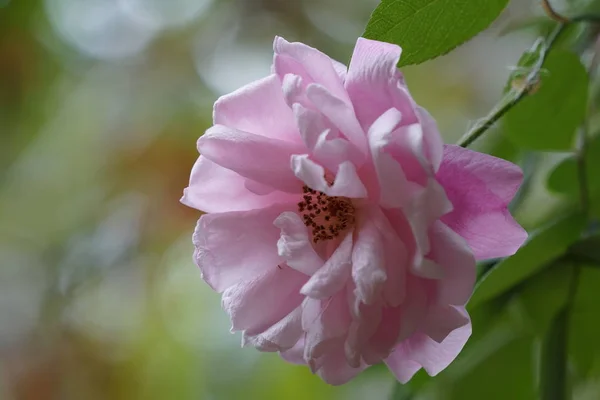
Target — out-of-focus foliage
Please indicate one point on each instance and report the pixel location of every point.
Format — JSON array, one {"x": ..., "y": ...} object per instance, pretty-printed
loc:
[{"x": 101, "y": 102}]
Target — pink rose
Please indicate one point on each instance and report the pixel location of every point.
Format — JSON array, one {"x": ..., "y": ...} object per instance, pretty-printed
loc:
[{"x": 341, "y": 231}]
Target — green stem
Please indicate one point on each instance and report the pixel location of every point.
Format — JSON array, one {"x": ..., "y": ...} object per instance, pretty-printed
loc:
[{"x": 515, "y": 95}]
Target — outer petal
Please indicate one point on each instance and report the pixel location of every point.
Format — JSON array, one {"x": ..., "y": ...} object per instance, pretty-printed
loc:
[
  {"x": 257, "y": 304},
  {"x": 434, "y": 356},
  {"x": 281, "y": 336},
  {"x": 335, "y": 370},
  {"x": 309, "y": 64},
  {"x": 368, "y": 263},
  {"x": 326, "y": 324},
  {"x": 258, "y": 108},
  {"x": 375, "y": 84},
  {"x": 259, "y": 158},
  {"x": 480, "y": 187},
  {"x": 401, "y": 366},
  {"x": 295, "y": 246},
  {"x": 333, "y": 276},
  {"x": 451, "y": 252},
  {"x": 442, "y": 320},
  {"x": 216, "y": 189},
  {"x": 236, "y": 246}
]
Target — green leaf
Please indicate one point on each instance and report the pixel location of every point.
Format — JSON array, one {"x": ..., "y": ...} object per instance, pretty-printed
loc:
[
  {"x": 553, "y": 359},
  {"x": 545, "y": 294},
  {"x": 543, "y": 247},
  {"x": 584, "y": 329},
  {"x": 564, "y": 179},
  {"x": 549, "y": 117},
  {"x": 587, "y": 250},
  {"x": 427, "y": 29}
]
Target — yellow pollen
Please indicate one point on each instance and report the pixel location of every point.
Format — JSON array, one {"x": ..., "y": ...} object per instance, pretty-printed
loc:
[{"x": 327, "y": 216}]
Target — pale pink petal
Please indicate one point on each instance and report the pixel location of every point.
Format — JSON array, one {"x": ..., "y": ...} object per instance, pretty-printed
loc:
[
  {"x": 335, "y": 370},
  {"x": 383, "y": 340},
  {"x": 236, "y": 246},
  {"x": 361, "y": 330},
  {"x": 258, "y": 108},
  {"x": 394, "y": 188},
  {"x": 375, "y": 84},
  {"x": 341, "y": 69},
  {"x": 213, "y": 188},
  {"x": 257, "y": 304},
  {"x": 281, "y": 336},
  {"x": 256, "y": 157},
  {"x": 442, "y": 320},
  {"x": 295, "y": 354},
  {"x": 434, "y": 356},
  {"x": 451, "y": 251},
  {"x": 332, "y": 277},
  {"x": 340, "y": 113},
  {"x": 480, "y": 187},
  {"x": 414, "y": 307},
  {"x": 328, "y": 329},
  {"x": 401, "y": 366},
  {"x": 347, "y": 183},
  {"x": 295, "y": 245},
  {"x": 368, "y": 263},
  {"x": 308, "y": 63},
  {"x": 434, "y": 144}
]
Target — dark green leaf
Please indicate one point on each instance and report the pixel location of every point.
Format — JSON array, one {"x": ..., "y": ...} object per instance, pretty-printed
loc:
[
  {"x": 429, "y": 28},
  {"x": 564, "y": 179},
  {"x": 549, "y": 117},
  {"x": 553, "y": 359},
  {"x": 543, "y": 247},
  {"x": 587, "y": 250},
  {"x": 584, "y": 329},
  {"x": 545, "y": 294}
]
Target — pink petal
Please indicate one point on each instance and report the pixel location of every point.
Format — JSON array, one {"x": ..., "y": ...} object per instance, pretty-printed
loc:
[
  {"x": 394, "y": 189},
  {"x": 361, "y": 330},
  {"x": 480, "y": 187},
  {"x": 414, "y": 307},
  {"x": 340, "y": 68},
  {"x": 295, "y": 245},
  {"x": 328, "y": 329},
  {"x": 442, "y": 320},
  {"x": 332, "y": 277},
  {"x": 257, "y": 304},
  {"x": 335, "y": 370},
  {"x": 213, "y": 188},
  {"x": 434, "y": 144},
  {"x": 259, "y": 158},
  {"x": 281, "y": 336},
  {"x": 236, "y": 246},
  {"x": 258, "y": 108},
  {"x": 434, "y": 356},
  {"x": 383, "y": 340},
  {"x": 347, "y": 183},
  {"x": 295, "y": 354},
  {"x": 375, "y": 84},
  {"x": 458, "y": 262},
  {"x": 368, "y": 263},
  {"x": 309, "y": 64},
  {"x": 340, "y": 113},
  {"x": 401, "y": 366}
]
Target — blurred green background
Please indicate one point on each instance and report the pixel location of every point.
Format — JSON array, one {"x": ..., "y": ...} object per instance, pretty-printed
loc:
[{"x": 101, "y": 103}]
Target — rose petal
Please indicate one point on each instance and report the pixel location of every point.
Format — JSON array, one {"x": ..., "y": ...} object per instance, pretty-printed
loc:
[
  {"x": 401, "y": 366},
  {"x": 223, "y": 264},
  {"x": 281, "y": 336},
  {"x": 213, "y": 188},
  {"x": 259, "y": 158},
  {"x": 442, "y": 320},
  {"x": 480, "y": 187},
  {"x": 368, "y": 263},
  {"x": 347, "y": 183},
  {"x": 258, "y": 108},
  {"x": 332, "y": 277},
  {"x": 295, "y": 245}
]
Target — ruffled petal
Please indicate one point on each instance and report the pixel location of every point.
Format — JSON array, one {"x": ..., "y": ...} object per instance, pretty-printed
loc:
[
  {"x": 258, "y": 108},
  {"x": 237, "y": 246},
  {"x": 442, "y": 320},
  {"x": 281, "y": 336},
  {"x": 480, "y": 187},
  {"x": 257, "y": 304},
  {"x": 434, "y": 144},
  {"x": 295, "y": 245},
  {"x": 368, "y": 263},
  {"x": 256, "y": 157},
  {"x": 451, "y": 252},
  {"x": 401, "y": 366},
  {"x": 335, "y": 370},
  {"x": 347, "y": 183},
  {"x": 333, "y": 276},
  {"x": 213, "y": 189},
  {"x": 309, "y": 64},
  {"x": 434, "y": 356},
  {"x": 375, "y": 84}
]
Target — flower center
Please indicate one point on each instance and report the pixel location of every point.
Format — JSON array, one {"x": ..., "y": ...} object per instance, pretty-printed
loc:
[{"x": 327, "y": 216}]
